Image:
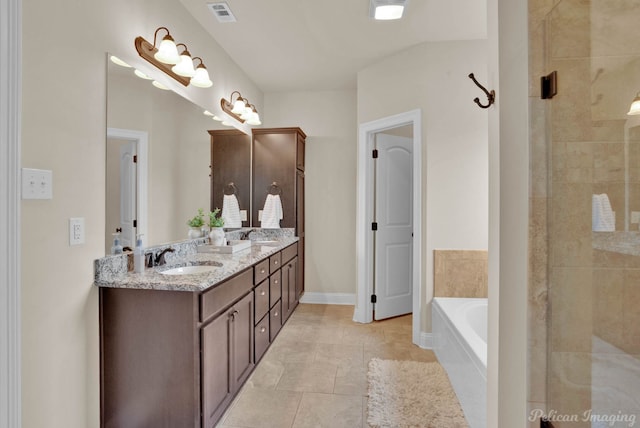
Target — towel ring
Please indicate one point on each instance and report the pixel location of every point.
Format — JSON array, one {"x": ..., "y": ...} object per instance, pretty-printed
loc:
[
  {"x": 274, "y": 189},
  {"x": 230, "y": 189}
]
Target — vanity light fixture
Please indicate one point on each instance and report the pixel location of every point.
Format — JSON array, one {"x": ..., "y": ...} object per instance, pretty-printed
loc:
[
  {"x": 179, "y": 66},
  {"x": 240, "y": 109},
  {"x": 635, "y": 106},
  {"x": 185, "y": 66},
  {"x": 385, "y": 10}
]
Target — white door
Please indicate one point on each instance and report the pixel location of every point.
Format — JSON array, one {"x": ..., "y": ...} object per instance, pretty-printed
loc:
[
  {"x": 128, "y": 182},
  {"x": 393, "y": 254}
]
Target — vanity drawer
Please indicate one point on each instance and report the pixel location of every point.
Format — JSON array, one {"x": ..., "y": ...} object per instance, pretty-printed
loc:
[
  {"x": 274, "y": 262},
  {"x": 261, "y": 271},
  {"x": 261, "y": 337},
  {"x": 261, "y": 299},
  {"x": 223, "y": 295},
  {"x": 274, "y": 288},
  {"x": 290, "y": 252},
  {"x": 275, "y": 316}
]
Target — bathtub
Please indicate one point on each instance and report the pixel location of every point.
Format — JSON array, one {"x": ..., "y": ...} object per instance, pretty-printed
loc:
[{"x": 460, "y": 343}]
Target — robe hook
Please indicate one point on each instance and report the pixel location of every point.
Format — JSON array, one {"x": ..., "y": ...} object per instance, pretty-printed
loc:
[{"x": 490, "y": 95}]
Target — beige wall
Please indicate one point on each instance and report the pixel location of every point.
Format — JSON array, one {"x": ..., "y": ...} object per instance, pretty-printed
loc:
[
  {"x": 433, "y": 77},
  {"x": 64, "y": 81},
  {"x": 329, "y": 120}
]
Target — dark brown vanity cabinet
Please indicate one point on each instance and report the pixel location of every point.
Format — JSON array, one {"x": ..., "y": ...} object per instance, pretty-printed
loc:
[
  {"x": 174, "y": 358},
  {"x": 279, "y": 157}
]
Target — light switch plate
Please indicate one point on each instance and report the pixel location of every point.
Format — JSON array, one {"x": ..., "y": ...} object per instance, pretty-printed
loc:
[
  {"x": 243, "y": 215},
  {"x": 37, "y": 183}
]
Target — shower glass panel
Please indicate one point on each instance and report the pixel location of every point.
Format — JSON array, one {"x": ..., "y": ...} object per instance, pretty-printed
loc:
[{"x": 593, "y": 213}]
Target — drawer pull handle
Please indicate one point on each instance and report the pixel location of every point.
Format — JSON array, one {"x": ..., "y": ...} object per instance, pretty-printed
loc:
[
  {"x": 262, "y": 293},
  {"x": 263, "y": 329}
]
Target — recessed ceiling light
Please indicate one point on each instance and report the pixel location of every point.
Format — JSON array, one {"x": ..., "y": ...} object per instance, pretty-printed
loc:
[{"x": 387, "y": 9}]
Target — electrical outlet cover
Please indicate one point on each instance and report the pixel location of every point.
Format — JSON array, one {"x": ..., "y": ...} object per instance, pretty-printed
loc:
[{"x": 76, "y": 231}]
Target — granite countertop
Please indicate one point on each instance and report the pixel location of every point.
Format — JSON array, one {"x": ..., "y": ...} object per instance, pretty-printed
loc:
[{"x": 228, "y": 265}]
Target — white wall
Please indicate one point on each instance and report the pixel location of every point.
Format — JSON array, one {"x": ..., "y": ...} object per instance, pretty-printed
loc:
[
  {"x": 64, "y": 81},
  {"x": 433, "y": 77},
  {"x": 329, "y": 120}
]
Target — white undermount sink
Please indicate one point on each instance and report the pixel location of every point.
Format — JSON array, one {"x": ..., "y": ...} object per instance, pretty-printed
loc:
[{"x": 189, "y": 270}]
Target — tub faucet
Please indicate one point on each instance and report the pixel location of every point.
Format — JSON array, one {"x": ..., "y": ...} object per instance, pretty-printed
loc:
[{"x": 159, "y": 259}]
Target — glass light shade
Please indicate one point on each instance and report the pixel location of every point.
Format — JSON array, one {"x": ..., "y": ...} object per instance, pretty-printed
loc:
[
  {"x": 185, "y": 66},
  {"x": 159, "y": 85},
  {"x": 254, "y": 119},
  {"x": 238, "y": 106},
  {"x": 388, "y": 12},
  {"x": 167, "y": 51},
  {"x": 201, "y": 77},
  {"x": 635, "y": 106},
  {"x": 141, "y": 75}
]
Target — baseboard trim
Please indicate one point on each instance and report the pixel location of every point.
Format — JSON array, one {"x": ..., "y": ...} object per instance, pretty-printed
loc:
[
  {"x": 426, "y": 340},
  {"x": 328, "y": 298}
]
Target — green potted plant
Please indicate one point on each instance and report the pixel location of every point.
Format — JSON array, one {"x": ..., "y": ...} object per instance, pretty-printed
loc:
[
  {"x": 195, "y": 225},
  {"x": 216, "y": 222}
]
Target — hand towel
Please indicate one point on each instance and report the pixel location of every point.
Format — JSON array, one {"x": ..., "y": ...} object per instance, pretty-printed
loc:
[
  {"x": 603, "y": 219},
  {"x": 272, "y": 212},
  {"x": 231, "y": 211}
]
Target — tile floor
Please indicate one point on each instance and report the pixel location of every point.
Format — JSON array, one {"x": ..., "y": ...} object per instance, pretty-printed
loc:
[{"x": 315, "y": 372}]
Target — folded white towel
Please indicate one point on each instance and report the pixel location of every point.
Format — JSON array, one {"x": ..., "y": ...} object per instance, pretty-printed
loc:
[
  {"x": 231, "y": 211},
  {"x": 272, "y": 212},
  {"x": 603, "y": 218}
]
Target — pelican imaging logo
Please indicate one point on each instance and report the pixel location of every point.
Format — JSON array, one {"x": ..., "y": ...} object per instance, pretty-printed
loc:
[{"x": 618, "y": 419}]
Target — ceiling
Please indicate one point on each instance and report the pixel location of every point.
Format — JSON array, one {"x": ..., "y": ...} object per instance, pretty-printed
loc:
[{"x": 311, "y": 45}]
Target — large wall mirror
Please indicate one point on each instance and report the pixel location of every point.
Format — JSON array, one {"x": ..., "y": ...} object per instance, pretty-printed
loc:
[{"x": 174, "y": 133}]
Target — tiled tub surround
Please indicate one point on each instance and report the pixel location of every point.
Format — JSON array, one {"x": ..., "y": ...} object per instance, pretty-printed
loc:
[{"x": 114, "y": 271}]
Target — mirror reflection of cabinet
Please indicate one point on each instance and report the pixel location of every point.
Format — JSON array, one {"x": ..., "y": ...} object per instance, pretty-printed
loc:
[{"x": 231, "y": 169}]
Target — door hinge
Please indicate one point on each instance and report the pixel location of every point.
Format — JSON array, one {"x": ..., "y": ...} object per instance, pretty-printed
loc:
[
  {"x": 135, "y": 223},
  {"x": 135, "y": 158},
  {"x": 374, "y": 298},
  {"x": 375, "y": 153},
  {"x": 374, "y": 226}
]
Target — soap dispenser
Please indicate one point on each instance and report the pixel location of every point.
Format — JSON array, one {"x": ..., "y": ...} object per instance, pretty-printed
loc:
[
  {"x": 116, "y": 248},
  {"x": 138, "y": 256}
]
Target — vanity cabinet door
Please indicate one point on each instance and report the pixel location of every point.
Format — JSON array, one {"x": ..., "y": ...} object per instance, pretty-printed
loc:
[
  {"x": 216, "y": 364},
  {"x": 289, "y": 298},
  {"x": 227, "y": 358}
]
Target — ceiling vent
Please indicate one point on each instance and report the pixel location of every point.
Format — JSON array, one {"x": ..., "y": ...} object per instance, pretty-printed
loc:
[
  {"x": 222, "y": 11},
  {"x": 387, "y": 9}
]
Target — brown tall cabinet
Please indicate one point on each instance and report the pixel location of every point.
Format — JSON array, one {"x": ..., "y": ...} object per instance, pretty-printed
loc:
[{"x": 278, "y": 157}]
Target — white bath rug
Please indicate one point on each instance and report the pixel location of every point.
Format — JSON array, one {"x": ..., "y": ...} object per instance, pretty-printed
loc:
[{"x": 411, "y": 394}]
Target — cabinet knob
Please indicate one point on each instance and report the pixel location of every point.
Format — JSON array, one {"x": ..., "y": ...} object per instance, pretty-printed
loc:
[
  {"x": 275, "y": 281},
  {"x": 262, "y": 293},
  {"x": 275, "y": 262},
  {"x": 263, "y": 329},
  {"x": 275, "y": 314},
  {"x": 262, "y": 270}
]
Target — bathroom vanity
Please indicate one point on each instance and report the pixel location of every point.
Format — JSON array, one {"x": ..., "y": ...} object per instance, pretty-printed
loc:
[{"x": 175, "y": 349}]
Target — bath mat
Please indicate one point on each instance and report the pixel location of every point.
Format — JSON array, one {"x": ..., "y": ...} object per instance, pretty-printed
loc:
[{"x": 411, "y": 394}]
